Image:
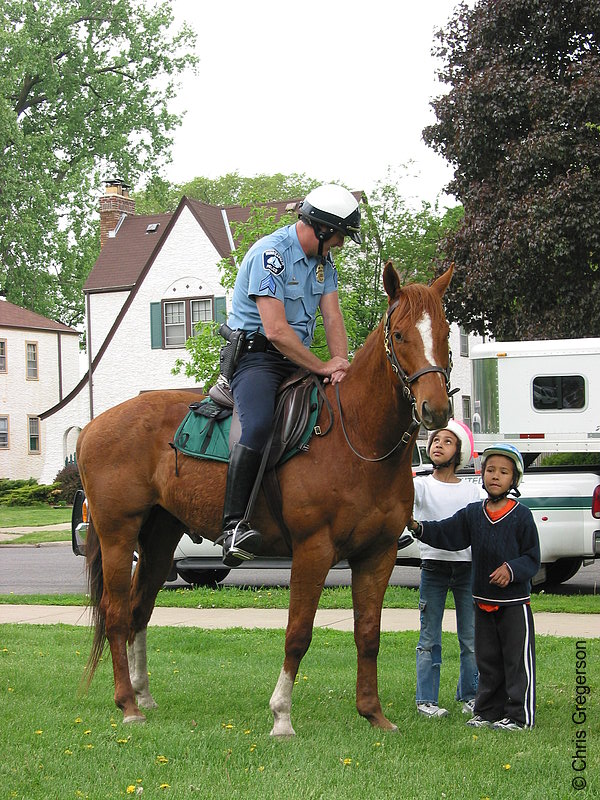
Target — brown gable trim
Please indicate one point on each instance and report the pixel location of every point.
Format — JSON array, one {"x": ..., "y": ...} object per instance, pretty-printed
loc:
[{"x": 120, "y": 316}]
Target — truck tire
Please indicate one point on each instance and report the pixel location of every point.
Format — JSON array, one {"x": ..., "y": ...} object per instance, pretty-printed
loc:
[
  {"x": 203, "y": 577},
  {"x": 561, "y": 570}
]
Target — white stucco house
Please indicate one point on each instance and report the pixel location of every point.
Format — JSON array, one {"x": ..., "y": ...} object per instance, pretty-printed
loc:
[
  {"x": 155, "y": 277},
  {"x": 39, "y": 366}
]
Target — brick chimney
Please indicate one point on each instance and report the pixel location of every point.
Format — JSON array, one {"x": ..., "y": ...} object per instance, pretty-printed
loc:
[{"x": 114, "y": 206}]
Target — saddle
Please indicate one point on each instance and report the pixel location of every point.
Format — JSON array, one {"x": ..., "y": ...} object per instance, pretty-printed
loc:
[{"x": 212, "y": 425}]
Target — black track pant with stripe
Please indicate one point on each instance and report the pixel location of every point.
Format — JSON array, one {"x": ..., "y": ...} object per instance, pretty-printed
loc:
[{"x": 505, "y": 655}]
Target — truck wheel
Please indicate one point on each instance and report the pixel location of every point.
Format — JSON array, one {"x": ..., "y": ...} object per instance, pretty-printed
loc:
[
  {"x": 561, "y": 570},
  {"x": 203, "y": 577}
]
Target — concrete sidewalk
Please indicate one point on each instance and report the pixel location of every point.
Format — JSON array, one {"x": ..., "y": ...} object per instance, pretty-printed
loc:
[{"x": 584, "y": 626}]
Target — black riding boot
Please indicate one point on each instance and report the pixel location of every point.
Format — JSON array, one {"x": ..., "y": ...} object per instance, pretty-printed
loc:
[{"x": 240, "y": 541}]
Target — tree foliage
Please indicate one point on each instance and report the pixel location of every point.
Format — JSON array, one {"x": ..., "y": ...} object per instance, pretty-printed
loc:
[
  {"x": 84, "y": 89},
  {"x": 520, "y": 126}
]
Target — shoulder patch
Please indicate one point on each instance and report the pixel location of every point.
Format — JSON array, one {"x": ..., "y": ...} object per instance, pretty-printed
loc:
[{"x": 273, "y": 262}]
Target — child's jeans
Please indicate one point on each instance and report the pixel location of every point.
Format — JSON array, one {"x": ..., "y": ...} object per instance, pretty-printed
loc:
[{"x": 437, "y": 577}]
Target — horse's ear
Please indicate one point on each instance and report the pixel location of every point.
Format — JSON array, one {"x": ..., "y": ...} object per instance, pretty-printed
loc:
[
  {"x": 391, "y": 280},
  {"x": 441, "y": 284}
]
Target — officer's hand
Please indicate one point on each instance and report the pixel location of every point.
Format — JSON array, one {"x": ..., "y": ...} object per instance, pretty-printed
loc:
[{"x": 336, "y": 367}]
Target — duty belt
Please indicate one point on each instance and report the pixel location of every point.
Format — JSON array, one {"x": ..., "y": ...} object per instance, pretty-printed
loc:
[{"x": 257, "y": 343}]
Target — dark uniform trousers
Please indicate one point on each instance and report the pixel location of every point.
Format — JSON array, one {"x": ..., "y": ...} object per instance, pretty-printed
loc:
[
  {"x": 505, "y": 655},
  {"x": 254, "y": 386}
]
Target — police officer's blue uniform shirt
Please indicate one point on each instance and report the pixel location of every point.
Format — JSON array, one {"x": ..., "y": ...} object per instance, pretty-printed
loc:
[{"x": 277, "y": 266}]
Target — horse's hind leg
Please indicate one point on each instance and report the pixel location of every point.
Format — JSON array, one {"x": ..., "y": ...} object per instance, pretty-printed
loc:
[
  {"x": 309, "y": 570},
  {"x": 370, "y": 578},
  {"x": 117, "y": 555},
  {"x": 157, "y": 541}
]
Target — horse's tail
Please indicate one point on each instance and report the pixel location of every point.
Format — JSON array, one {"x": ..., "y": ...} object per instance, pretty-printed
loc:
[{"x": 95, "y": 578}]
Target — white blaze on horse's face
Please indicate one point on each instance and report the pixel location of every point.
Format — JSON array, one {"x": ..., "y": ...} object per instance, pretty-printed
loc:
[{"x": 424, "y": 328}]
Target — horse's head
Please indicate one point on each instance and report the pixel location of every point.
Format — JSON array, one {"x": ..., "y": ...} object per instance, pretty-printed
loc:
[{"x": 416, "y": 342}]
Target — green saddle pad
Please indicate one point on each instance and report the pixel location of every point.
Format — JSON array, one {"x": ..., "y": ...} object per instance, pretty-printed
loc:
[{"x": 204, "y": 432}]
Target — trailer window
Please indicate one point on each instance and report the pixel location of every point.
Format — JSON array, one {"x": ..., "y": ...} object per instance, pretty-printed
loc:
[{"x": 555, "y": 392}]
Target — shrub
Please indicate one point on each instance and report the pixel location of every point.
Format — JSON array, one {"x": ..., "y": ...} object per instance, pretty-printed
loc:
[
  {"x": 566, "y": 459},
  {"x": 27, "y": 493},
  {"x": 68, "y": 482}
]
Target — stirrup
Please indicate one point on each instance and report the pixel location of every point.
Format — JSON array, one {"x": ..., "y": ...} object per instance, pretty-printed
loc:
[{"x": 234, "y": 554}]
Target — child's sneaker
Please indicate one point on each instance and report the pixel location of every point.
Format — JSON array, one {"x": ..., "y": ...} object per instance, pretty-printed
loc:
[
  {"x": 431, "y": 710},
  {"x": 478, "y": 722},
  {"x": 507, "y": 724},
  {"x": 468, "y": 706}
]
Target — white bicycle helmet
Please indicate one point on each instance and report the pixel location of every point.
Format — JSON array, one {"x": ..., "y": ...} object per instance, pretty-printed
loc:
[
  {"x": 466, "y": 449},
  {"x": 335, "y": 207},
  {"x": 510, "y": 451}
]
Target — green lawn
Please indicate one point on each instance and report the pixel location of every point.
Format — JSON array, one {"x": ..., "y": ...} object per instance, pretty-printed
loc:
[
  {"x": 29, "y": 516},
  {"x": 209, "y": 738}
]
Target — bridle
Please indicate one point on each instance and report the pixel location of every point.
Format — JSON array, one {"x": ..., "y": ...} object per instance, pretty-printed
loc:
[{"x": 406, "y": 382}]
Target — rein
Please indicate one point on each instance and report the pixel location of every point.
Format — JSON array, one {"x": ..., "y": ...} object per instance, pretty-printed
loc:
[{"x": 405, "y": 381}]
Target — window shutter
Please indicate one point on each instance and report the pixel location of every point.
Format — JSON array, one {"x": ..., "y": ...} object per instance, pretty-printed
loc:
[
  {"x": 220, "y": 310},
  {"x": 155, "y": 326}
]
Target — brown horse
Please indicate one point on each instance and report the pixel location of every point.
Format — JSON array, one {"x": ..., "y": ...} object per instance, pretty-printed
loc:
[{"x": 348, "y": 497}]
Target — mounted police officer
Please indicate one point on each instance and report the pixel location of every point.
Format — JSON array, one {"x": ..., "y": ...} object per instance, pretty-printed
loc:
[{"x": 282, "y": 281}]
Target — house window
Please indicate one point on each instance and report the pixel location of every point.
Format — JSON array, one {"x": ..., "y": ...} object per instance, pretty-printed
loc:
[
  {"x": 173, "y": 322},
  {"x": 464, "y": 342},
  {"x": 32, "y": 361},
  {"x": 3, "y": 367},
  {"x": 466, "y": 410},
  {"x": 33, "y": 424},
  {"x": 3, "y": 433},
  {"x": 201, "y": 311}
]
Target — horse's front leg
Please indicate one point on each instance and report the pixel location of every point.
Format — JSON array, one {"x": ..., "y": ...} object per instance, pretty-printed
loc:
[
  {"x": 310, "y": 565},
  {"x": 370, "y": 578}
]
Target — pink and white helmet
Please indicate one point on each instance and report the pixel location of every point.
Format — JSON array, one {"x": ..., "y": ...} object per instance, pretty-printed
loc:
[{"x": 464, "y": 436}]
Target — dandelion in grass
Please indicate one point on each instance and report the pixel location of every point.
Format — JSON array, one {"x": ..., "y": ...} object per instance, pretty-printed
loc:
[
  {"x": 130, "y": 789},
  {"x": 78, "y": 720},
  {"x": 68, "y": 752},
  {"x": 87, "y": 733},
  {"x": 89, "y": 747},
  {"x": 261, "y": 768},
  {"x": 122, "y": 741},
  {"x": 507, "y": 766},
  {"x": 162, "y": 760},
  {"x": 346, "y": 761},
  {"x": 39, "y": 733},
  {"x": 165, "y": 786},
  {"x": 10, "y": 689}
]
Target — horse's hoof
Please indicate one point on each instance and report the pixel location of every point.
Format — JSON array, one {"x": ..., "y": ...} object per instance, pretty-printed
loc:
[
  {"x": 283, "y": 732},
  {"x": 134, "y": 718},
  {"x": 146, "y": 701}
]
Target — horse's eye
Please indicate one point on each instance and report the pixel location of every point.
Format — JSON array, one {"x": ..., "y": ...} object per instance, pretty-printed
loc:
[{"x": 397, "y": 336}]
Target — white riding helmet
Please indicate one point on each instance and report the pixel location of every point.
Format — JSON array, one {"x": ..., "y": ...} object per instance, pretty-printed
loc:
[
  {"x": 335, "y": 207},
  {"x": 466, "y": 448}
]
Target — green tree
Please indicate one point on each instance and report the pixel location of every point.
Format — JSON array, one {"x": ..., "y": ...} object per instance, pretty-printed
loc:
[
  {"x": 392, "y": 230},
  {"x": 84, "y": 90},
  {"x": 524, "y": 86}
]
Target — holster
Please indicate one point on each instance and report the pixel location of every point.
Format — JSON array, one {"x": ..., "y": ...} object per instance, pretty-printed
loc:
[{"x": 231, "y": 352}]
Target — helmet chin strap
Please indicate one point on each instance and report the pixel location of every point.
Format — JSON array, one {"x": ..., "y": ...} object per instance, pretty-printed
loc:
[{"x": 496, "y": 497}]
